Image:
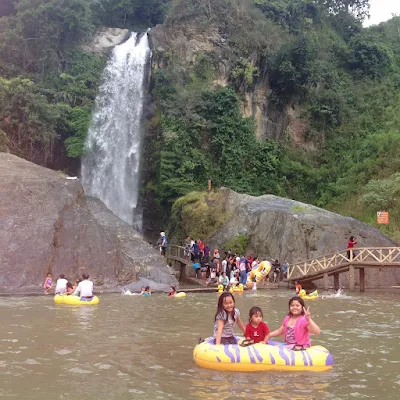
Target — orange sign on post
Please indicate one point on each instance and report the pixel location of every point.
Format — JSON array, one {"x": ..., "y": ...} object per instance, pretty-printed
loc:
[{"x": 382, "y": 217}]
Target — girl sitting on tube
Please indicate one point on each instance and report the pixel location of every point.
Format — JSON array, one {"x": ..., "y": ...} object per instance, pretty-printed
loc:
[{"x": 297, "y": 326}]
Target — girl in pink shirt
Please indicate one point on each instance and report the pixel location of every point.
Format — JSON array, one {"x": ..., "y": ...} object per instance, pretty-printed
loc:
[{"x": 297, "y": 326}]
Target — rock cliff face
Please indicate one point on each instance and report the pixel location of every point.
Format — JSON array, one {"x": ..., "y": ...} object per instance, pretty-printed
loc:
[
  {"x": 48, "y": 224},
  {"x": 187, "y": 41},
  {"x": 105, "y": 39},
  {"x": 286, "y": 229}
]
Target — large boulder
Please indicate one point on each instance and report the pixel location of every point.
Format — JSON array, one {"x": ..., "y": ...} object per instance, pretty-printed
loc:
[
  {"x": 105, "y": 39},
  {"x": 48, "y": 224},
  {"x": 280, "y": 228}
]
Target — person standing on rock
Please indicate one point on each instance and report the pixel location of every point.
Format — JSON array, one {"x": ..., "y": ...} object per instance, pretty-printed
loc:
[
  {"x": 164, "y": 244},
  {"x": 243, "y": 271},
  {"x": 187, "y": 246},
  {"x": 277, "y": 270},
  {"x": 207, "y": 253},
  {"x": 285, "y": 269},
  {"x": 196, "y": 251}
]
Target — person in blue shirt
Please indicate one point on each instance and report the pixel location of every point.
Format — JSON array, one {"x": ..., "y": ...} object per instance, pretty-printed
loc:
[{"x": 196, "y": 267}]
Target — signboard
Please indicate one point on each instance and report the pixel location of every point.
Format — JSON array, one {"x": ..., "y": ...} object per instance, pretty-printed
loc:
[{"x": 382, "y": 217}]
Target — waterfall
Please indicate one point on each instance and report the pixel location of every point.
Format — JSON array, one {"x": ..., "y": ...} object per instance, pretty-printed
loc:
[{"x": 110, "y": 168}]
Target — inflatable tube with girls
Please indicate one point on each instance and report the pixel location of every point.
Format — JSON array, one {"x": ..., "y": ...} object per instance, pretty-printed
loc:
[{"x": 261, "y": 357}]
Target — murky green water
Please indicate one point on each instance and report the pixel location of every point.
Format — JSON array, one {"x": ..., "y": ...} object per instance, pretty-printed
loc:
[{"x": 132, "y": 347}]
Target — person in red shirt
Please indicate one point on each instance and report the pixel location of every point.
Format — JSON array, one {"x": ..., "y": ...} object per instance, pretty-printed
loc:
[
  {"x": 201, "y": 248},
  {"x": 350, "y": 244},
  {"x": 298, "y": 287},
  {"x": 256, "y": 329}
]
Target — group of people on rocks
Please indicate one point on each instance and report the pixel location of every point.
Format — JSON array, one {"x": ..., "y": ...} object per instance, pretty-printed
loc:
[
  {"x": 296, "y": 326},
  {"x": 82, "y": 287}
]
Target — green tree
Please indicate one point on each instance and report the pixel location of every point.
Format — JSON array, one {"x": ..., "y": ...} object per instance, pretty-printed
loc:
[
  {"x": 28, "y": 119},
  {"x": 359, "y": 8},
  {"x": 291, "y": 69},
  {"x": 383, "y": 194},
  {"x": 38, "y": 38},
  {"x": 370, "y": 55}
]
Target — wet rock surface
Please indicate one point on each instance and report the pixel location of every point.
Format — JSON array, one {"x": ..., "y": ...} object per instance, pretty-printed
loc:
[{"x": 48, "y": 224}]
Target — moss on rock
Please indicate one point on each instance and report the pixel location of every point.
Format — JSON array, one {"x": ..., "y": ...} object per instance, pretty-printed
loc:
[
  {"x": 238, "y": 244},
  {"x": 197, "y": 214}
]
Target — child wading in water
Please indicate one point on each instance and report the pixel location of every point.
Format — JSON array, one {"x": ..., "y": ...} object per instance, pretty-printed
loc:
[
  {"x": 256, "y": 329},
  {"x": 225, "y": 319},
  {"x": 297, "y": 326},
  {"x": 172, "y": 291}
]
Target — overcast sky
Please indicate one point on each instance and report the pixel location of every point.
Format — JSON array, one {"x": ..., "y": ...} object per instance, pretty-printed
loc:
[{"x": 382, "y": 10}]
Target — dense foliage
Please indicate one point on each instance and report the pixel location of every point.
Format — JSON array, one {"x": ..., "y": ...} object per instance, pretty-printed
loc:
[
  {"x": 314, "y": 56},
  {"x": 317, "y": 57},
  {"x": 48, "y": 82}
]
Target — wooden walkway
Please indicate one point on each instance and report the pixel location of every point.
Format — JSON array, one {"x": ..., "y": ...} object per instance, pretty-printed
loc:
[
  {"x": 336, "y": 263},
  {"x": 178, "y": 253}
]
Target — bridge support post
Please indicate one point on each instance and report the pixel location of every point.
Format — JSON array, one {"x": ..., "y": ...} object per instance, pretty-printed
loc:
[
  {"x": 362, "y": 280},
  {"x": 326, "y": 281},
  {"x": 336, "y": 284},
  {"x": 351, "y": 278}
]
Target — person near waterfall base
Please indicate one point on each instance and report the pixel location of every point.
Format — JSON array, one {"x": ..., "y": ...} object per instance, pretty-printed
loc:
[
  {"x": 164, "y": 244},
  {"x": 85, "y": 288},
  {"x": 48, "y": 283}
]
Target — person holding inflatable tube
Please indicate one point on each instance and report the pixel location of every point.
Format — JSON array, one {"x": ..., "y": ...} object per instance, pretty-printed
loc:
[
  {"x": 172, "y": 291},
  {"x": 225, "y": 319},
  {"x": 297, "y": 326}
]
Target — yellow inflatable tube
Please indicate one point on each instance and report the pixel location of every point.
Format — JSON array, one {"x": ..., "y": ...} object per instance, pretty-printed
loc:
[
  {"x": 258, "y": 274},
  {"x": 310, "y": 296},
  {"x": 237, "y": 289},
  {"x": 261, "y": 357},
  {"x": 233, "y": 289},
  {"x": 180, "y": 294},
  {"x": 75, "y": 300}
]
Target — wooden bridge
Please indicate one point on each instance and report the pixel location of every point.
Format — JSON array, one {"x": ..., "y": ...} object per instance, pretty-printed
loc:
[
  {"x": 179, "y": 253},
  {"x": 180, "y": 258},
  {"x": 345, "y": 261}
]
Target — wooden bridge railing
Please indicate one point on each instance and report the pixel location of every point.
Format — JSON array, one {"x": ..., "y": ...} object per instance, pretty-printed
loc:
[
  {"x": 178, "y": 253},
  {"x": 372, "y": 256}
]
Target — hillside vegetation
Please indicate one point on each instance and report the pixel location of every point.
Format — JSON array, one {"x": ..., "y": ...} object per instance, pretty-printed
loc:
[{"x": 313, "y": 55}]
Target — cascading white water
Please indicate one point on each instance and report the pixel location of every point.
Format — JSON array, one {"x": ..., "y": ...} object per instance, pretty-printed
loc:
[{"x": 110, "y": 169}]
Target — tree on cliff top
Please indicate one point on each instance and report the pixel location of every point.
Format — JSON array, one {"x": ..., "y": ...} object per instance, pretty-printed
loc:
[{"x": 358, "y": 8}]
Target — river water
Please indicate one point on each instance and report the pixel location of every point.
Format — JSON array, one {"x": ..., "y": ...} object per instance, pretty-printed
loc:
[{"x": 132, "y": 347}]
